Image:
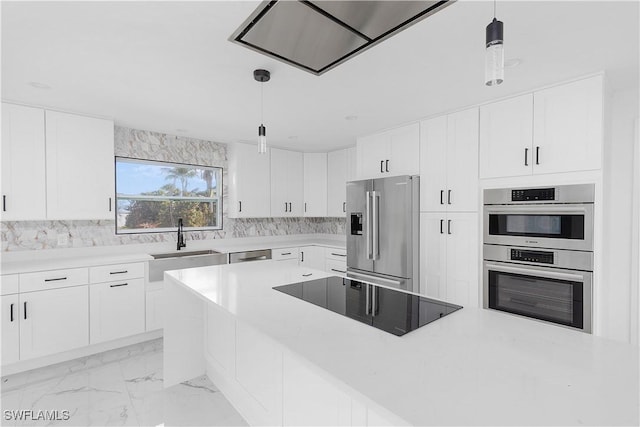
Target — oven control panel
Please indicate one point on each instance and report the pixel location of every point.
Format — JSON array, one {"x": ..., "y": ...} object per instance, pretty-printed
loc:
[
  {"x": 532, "y": 256},
  {"x": 533, "y": 194}
]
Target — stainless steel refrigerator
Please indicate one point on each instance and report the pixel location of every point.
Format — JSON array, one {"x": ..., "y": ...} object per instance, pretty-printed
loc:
[{"x": 383, "y": 231}]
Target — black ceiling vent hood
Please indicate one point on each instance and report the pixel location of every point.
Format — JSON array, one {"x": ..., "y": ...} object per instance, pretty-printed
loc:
[{"x": 319, "y": 35}]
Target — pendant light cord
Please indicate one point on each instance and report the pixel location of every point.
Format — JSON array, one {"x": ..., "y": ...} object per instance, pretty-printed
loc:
[
  {"x": 494, "y": 8},
  {"x": 261, "y": 102}
]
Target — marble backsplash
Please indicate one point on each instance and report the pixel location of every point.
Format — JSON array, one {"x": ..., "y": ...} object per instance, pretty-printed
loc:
[{"x": 33, "y": 235}]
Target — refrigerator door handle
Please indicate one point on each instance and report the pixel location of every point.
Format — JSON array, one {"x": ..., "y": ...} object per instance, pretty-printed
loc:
[
  {"x": 373, "y": 301},
  {"x": 374, "y": 224},
  {"x": 368, "y": 218},
  {"x": 366, "y": 303}
]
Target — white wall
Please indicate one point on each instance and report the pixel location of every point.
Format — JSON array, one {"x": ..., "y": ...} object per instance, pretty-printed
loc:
[{"x": 617, "y": 305}]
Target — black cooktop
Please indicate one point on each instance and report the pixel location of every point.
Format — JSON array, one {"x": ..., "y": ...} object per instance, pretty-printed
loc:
[{"x": 392, "y": 311}]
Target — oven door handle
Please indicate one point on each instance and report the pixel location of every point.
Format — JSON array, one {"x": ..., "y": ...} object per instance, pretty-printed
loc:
[
  {"x": 539, "y": 273},
  {"x": 538, "y": 209}
]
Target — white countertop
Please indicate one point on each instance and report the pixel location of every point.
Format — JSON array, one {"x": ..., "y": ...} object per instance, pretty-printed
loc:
[
  {"x": 40, "y": 260},
  {"x": 473, "y": 367}
]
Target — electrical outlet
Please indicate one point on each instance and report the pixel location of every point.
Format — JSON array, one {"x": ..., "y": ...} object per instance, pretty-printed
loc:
[{"x": 63, "y": 239}]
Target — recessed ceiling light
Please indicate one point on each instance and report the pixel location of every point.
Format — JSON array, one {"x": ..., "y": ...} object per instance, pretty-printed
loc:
[
  {"x": 512, "y": 63},
  {"x": 351, "y": 118},
  {"x": 182, "y": 130},
  {"x": 39, "y": 85},
  {"x": 293, "y": 137}
]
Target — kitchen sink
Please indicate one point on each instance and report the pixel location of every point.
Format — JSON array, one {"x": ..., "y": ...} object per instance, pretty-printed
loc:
[{"x": 182, "y": 259}]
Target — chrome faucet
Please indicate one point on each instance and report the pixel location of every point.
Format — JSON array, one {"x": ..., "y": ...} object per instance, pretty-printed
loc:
[{"x": 181, "y": 243}]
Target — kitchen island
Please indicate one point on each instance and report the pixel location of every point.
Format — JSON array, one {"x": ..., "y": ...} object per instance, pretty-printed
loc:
[{"x": 283, "y": 361}]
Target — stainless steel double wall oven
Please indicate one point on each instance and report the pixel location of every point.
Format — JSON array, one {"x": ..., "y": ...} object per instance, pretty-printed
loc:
[{"x": 538, "y": 253}]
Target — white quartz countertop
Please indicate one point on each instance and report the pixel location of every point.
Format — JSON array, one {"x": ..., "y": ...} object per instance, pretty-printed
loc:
[
  {"x": 51, "y": 259},
  {"x": 472, "y": 367}
]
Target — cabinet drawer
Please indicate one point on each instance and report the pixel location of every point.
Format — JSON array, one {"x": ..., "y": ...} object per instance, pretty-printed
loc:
[
  {"x": 285, "y": 253},
  {"x": 53, "y": 279},
  {"x": 9, "y": 284},
  {"x": 108, "y": 273},
  {"x": 117, "y": 309},
  {"x": 336, "y": 267},
  {"x": 335, "y": 254}
]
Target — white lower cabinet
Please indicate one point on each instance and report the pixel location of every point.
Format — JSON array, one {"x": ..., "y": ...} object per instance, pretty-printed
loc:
[
  {"x": 154, "y": 309},
  {"x": 449, "y": 268},
  {"x": 310, "y": 399},
  {"x": 53, "y": 321},
  {"x": 312, "y": 257},
  {"x": 117, "y": 309},
  {"x": 259, "y": 370},
  {"x": 9, "y": 310}
]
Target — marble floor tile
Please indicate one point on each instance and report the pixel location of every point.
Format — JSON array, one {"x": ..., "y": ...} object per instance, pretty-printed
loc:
[{"x": 119, "y": 387}]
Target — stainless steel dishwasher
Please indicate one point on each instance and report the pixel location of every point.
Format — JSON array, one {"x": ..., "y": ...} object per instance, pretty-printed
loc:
[{"x": 260, "y": 255}]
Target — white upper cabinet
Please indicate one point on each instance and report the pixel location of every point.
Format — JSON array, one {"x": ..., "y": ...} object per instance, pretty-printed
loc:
[
  {"x": 250, "y": 178},
  {"x": 559, "y": 129},
  {"x": 23, "y": 163},
  {"x": 286, "y": 183},
  {"x": 315, "y": 184},
  {"x": 352, "y": 164},
  {"x": 506, "y": 137},
  {"x": 80, "y": 167},
  {"x": 567, "y": 129},
  {"x": 336, "y": 183},
  {"x": 390, "y": 153},
  {"x": 449, "y": 162}
]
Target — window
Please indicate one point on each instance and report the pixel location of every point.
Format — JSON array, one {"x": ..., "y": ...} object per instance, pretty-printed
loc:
[{"x": 151, "y": 196}]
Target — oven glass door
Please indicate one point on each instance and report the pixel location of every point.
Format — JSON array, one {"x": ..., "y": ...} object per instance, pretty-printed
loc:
[{"x": 541, "y": 294}]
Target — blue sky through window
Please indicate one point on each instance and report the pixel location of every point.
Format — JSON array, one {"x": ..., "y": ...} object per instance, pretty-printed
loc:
[{"x": 135, "y": 178}]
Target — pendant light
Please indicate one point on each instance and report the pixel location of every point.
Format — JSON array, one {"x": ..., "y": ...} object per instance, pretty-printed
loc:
[
  {"x": 262, "y": 76},
  {"x": 494, "y": 55}
]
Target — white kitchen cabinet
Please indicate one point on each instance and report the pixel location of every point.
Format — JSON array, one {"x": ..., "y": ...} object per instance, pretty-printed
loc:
[
  {"x": 315, "y": 184},
  {"x": 506, "y": 137},
  {"x": 559, "y": 129},
  {"x": 9, "y": 284},
  {"x": 312, "y": 257},
  {"x": 352, "y": 164},
  {"x": 117, "y": 309},
  {"x": 249, "y": 182},
  {"x": 284, "y": 254},
  {"x": 287, "y": 186},
  {"x": 154, "y": 310},
  {"x": 79, "y": 167},
  {"x": 568, "y": 127},
  {"x": 10, "y": 312},
  {"x": 53, "y": 321},
  {"x": 337, "y": 183},
  {"x": 23, "y": 163},
  {"x": 390, "y": 153},
  {"x": 336, "y": 267},
  {"x": 449, "y": 257},
  {"x": 221, "y": 338},
  {"x": 309, "y": 399},
  {"x": 259, "y": 370},
  {"x": 449, "y": 162}
]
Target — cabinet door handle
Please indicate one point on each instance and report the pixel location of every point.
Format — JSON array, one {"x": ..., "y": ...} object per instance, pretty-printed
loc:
[
  {"x": 387, "y": 165},
  {"x": 55, "y": 280},
  {"x": 290, "y": 208},
  {"x": 338, "y": 271},
  {"x": 526, "y": 156},
  {"x": 442, "y": 197},
  {"x": 305, "y": 206},
  {"x": 334, "y": 254},
  {"x": 344, "y": 206},
  {"x": 301, "y": 256},
  {"x": 239, "y": 206},
  {"x": 109, "y": 204},
  {"x": 118, "y": 285},
  {"x": 537, "y": 155},
  {"x": 449, "y": 226},
  {"x": 442, "y": 226},
  {"x": 119, "y": 272},
  {"x": 286, "y": 253},
  {"x": 307, "y": 275},
  {"x": 448, "y": 197},
  {"x": 25, "y": 310},
  {"x": 11, "y": 309},
  {"x": 285, "y": 207},
  {"x": 381, "y": 166},
  {"x": 4, "y": 203}
]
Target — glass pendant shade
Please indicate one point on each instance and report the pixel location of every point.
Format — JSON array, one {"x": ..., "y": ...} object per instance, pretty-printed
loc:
[
  {"x": 494, "y": 55},
  {"x": 262, "y": 139}
]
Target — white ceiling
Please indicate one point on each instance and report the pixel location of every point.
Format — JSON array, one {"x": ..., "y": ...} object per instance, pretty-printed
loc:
[{"x": 165, "y": 66}]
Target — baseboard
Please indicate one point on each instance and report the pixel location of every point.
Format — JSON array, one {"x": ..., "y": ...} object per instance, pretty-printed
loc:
[{"x": 26, "y": 365}]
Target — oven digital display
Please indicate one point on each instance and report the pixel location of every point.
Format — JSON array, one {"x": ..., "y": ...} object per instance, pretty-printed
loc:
[{"x": 534, "y": 224}]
